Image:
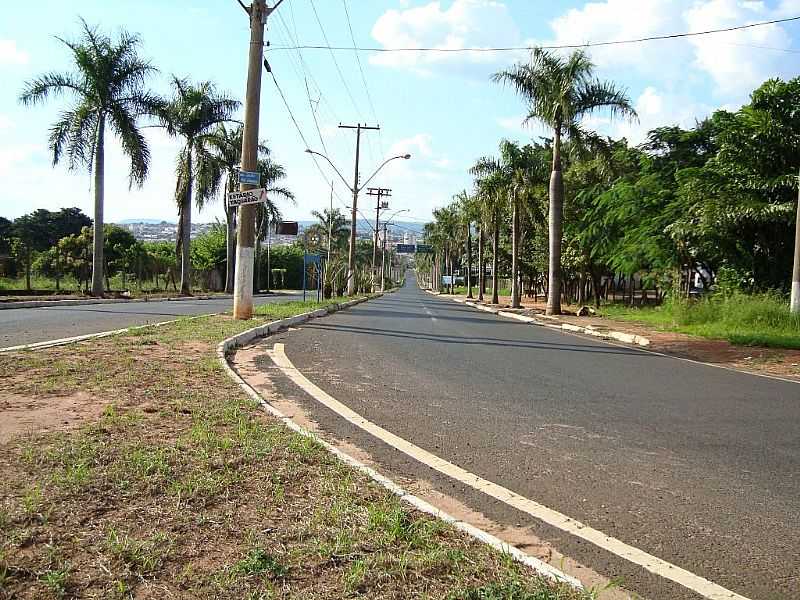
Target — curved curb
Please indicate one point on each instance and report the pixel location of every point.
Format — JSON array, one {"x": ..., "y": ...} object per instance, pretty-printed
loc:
[
  {"x": 620, "y": 336},
  {"x": 237, "y": 341}
]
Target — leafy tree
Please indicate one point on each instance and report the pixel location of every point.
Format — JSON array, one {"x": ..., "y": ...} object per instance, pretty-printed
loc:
[
  {"x": 108, "y": 88},
  {"x": 561, "y": 92},
  {"x": 191, "y": 115}
]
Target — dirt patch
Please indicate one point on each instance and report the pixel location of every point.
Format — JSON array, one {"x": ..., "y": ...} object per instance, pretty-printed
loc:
[{"x": 21, "y": 415}]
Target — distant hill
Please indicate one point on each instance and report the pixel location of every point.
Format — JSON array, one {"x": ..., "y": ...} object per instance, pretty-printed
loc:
[{"x": 144, "y": 222}]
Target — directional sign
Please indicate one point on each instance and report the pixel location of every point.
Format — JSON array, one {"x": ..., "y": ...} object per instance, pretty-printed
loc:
[
  {"x": 405, "y": 248},
  {"x": 424, "y": 249},
  {"x": 250, "y": 177},
  {"x": 248, "y": 197}
]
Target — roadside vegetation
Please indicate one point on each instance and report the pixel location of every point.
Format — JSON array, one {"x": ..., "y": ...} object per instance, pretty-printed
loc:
[
  {"x": 107, "y": 92},
  {"x": 700, "y": 221},
  {"x": 182, "y": 487}
]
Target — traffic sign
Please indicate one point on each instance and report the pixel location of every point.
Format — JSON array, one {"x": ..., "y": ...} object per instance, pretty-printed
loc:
[
  {"x": 248, "y": 197},
  {"x": 250, "y": 177},
  {"x": 405, "y": 248},
  {"x": 424, "y": 249}
]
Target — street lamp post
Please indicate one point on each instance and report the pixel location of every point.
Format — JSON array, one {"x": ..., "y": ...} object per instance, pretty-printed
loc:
[{"x": 355, "y": 189}]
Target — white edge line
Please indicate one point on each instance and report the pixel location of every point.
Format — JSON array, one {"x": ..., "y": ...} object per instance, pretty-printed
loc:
[
  {"x": 649, "y": 562},
  {"x": 224, "y": 347},
  {"x": 598, "y": 334}
]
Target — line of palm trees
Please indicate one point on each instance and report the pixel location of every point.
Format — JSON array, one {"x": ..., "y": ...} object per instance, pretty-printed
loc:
[
  {"x": 108, "y": 88},
  {"x": 559, "y": 92}
]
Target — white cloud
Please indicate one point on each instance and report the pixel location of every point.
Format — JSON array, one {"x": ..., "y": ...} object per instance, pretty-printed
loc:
[
  {"x": 5, "y": 123},
  {"x": 655, "y": 109},
  {"x": 466, "y": 23},
  {"x": 735, "y": 66},
  {"x": 418, "y": 146},
  {"x": 11, "y": 54},
  {"x": 627, "y": 19}
]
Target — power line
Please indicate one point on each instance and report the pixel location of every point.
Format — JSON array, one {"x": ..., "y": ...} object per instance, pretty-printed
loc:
[
  {"x": 361, "y": 70},
  {"x": 544, "y": 47},
  {"x": 300, "y": 131}
]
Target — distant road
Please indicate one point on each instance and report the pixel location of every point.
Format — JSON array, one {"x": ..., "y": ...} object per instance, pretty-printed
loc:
[{"x": 30, "y": 325}]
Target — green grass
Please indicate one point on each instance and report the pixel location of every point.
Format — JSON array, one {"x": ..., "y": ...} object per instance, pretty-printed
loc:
[{"x": 742, "y": 319}]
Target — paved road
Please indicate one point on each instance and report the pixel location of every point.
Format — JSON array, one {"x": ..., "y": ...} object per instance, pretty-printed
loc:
[
  {"x": 31, "y": 325},
  {"x": 697, "y": 465}
]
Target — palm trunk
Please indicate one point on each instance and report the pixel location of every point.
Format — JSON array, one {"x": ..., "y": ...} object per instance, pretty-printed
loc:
[
  {"x": 230, "y": 244},
  {"x": 555, "y": 227},
  {"x": 186, "y": 227},
  {"x": 481, "y": 264},
  {"x": 495, "y": 259},
  {"x": 515, "y": 295},
  {"x": 99, "y": 196},
  {"x": 469, "y": 260}
]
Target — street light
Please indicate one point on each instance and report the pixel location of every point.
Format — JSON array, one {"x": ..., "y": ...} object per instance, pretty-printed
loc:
[{"x": 355, "y": 189}]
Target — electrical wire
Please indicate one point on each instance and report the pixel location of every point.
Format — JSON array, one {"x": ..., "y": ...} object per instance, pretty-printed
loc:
[
  {"x": 361, "y": 70},
  {"x": 544, "y": 47}
]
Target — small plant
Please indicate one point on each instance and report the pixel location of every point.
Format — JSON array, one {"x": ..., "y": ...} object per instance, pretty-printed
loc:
[
  {"x": 259, "y": 562},
  {"x": 57, "y": 581},
  {"x": 355, "y": 575}
]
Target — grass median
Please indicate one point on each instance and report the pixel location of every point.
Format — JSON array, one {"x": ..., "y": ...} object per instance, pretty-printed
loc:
[
  {"x": 742, "y": 319},
  {"x": 181, "y": 487}
]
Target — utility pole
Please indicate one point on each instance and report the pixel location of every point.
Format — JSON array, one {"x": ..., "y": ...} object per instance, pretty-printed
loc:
[
  {"x": 351, "y": 257},
  {"x": 243, "y": 284},
  {"x": 794, "y": 305},
  {"x": 380, "y": 193}
]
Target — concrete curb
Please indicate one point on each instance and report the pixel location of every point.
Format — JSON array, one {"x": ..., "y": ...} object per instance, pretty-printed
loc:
[
  {"x": 418, "y": 503},
  {"x": 90, "y": 301},
  {"x": 620, "y": 336}
]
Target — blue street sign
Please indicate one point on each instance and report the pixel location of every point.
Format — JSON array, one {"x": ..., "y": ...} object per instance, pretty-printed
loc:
[{"x": 250, "y": 177}]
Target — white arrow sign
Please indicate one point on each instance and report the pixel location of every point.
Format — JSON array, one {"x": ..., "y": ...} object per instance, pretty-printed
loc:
[{"x": 248, "y": 197}]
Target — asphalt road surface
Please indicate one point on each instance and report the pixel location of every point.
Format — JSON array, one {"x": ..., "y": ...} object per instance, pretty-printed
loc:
[
  {"x": 30, "y": 325},
  {"x": 697, "y": 465}
]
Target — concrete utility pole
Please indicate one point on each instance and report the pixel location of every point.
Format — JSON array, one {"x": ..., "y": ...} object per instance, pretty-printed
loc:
[
  {"x": 794, "y": 305},
  {"x": 351, "y": 256},
  {"x": 380, "y": 193},
  {"x": 243, "y": 284}
]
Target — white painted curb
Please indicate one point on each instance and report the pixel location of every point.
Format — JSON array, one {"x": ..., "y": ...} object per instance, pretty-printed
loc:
[
  {"x": 627, "y": 338},
  {"x": 246, "y": 337}
]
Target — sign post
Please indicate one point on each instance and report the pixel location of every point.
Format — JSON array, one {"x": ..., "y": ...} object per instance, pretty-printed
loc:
[{"x": 247, "y": 197}]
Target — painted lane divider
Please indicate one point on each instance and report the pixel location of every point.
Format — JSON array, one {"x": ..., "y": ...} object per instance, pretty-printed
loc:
[{"x": 653, "y": 564}]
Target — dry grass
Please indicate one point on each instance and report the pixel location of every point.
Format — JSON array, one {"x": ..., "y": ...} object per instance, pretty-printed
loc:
[{"x": 184, "y": 489}]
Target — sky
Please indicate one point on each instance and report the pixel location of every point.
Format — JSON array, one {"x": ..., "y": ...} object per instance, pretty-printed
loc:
[{"x": 441, "y": 108}]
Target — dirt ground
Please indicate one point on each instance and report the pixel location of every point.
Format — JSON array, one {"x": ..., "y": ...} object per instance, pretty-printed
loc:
[{"x": 753, "y": 359}]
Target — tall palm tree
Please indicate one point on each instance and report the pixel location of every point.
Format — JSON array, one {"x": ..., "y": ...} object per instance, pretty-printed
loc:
[
  {"x": 467, "y": 214},
  {"x": 191, "y": 115},
  {"x": 561, "y": 92},
  {"x": 108, "y": 87}
]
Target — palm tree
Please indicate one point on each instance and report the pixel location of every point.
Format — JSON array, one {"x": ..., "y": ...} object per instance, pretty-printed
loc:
[
  {"x": 467, "y": 214},
  {"x": 191, "y": 115},
  {"x": 108, "y": 88},
  {"x": 561, "y": 92}
]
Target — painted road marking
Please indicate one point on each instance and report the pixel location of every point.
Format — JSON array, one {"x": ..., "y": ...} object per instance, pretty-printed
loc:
[{"x": 653, "y": 564}]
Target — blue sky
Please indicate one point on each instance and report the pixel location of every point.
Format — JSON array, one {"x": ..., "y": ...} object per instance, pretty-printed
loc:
[{"x": 441, "y": 108}]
